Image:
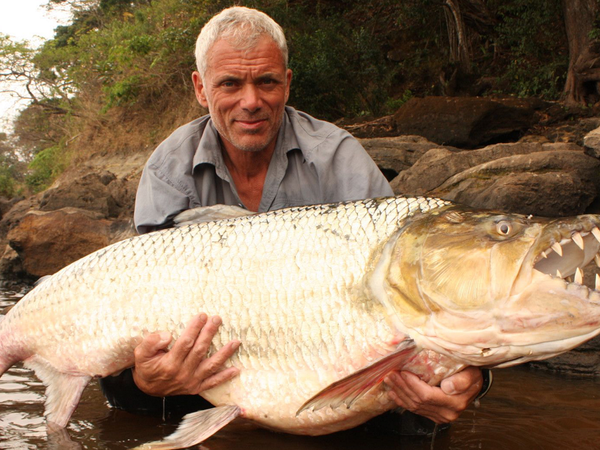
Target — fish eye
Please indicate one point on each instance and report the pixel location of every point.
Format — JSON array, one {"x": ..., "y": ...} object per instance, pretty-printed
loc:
[{"x": 504, "y": 228}]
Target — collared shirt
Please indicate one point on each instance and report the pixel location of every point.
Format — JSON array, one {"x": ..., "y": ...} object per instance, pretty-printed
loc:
[{"x": 313, "y": 162}]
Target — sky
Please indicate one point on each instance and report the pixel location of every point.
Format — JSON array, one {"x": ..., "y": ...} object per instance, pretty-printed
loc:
[{"x": 25, "y": 20}]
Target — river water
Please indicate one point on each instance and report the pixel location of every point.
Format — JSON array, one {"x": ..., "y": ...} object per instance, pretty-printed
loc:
[{"x": 526, "y": 409}]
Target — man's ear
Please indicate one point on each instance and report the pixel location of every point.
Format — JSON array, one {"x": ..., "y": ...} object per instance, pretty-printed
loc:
[
  {"x": 199, "y": 89},
  {"x": 288, "y": 76}
]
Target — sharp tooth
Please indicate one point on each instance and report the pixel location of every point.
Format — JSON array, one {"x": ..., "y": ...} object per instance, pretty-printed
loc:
[
  {"x": 578, "y": 276},
  {"x": 578, "y": 240},
  {"x": 596, "y": 233},
  {"x": 557, "y": 248},
  {"x": 597, "y": 282},
  {"x": 545, "y": 255},
  {"x": 558, "y": 274}
]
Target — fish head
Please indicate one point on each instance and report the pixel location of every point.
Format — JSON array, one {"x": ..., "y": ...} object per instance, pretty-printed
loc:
[{"x": 494, "y": 289}]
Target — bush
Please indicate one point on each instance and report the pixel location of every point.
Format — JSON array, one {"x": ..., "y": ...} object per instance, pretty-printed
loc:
[{"x": 45, "y": 167}]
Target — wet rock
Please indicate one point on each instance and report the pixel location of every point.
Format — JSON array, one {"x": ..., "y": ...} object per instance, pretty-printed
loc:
[
  {"x": 46, "y": 241},
  {"x": 467, "y": 122},
  {"x": 584, "y": 360}
]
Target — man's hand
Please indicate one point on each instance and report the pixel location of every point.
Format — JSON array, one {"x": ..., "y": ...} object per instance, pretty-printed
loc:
[
  {"x": 441, "y": 404},
  {"x": 184, "y": 369}
]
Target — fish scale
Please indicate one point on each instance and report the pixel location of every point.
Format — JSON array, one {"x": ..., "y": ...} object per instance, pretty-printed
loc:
[{"x": 326, "y": 300}]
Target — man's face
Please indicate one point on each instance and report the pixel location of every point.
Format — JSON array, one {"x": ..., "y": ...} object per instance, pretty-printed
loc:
[{"x": 245, "y": 92}]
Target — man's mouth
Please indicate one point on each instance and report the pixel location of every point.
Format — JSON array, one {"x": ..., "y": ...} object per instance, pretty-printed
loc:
[{"x": 251, "y": 124}]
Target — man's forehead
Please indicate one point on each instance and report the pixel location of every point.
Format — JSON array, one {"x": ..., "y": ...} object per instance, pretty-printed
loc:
[{"x": 261, "y": 50}]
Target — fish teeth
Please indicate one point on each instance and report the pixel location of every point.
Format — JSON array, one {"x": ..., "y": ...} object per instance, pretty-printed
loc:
[
  {"x": 578, "y": 240},
  {"x": 596, "y": 233},
  {"x": 558, "y": 274},
  {"x": 545, "y": 255},
  {"x": 578, "y": 276},
  {"x": 557, "y": 248},
  {"x": 597, "y": 285}
]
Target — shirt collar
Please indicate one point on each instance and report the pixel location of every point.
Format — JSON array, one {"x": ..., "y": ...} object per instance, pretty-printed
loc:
[{"x": 209, "y": 147}]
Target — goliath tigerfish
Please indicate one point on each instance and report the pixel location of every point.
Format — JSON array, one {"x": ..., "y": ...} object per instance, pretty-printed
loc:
[{"x": 326, "y": 301}]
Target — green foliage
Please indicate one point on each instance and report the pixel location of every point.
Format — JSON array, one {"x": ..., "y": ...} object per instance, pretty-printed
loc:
[
  {"x": 531, "y": 40},
  {"x": 338, "y": 72},
  {"x": 11, "y": 168},
  {"x": 45, "y": 167}
]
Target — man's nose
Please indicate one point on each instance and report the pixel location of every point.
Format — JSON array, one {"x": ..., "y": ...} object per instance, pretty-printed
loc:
[{"x": 251, "y": 100}]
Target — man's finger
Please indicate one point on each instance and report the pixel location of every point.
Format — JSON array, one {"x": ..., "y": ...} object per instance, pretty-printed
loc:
[
  {"x": 215, "y": 363},
  {"x": 202, "y": 344},
  {"x": 187, "y": 340},
  {"x": 461, "y": 382},
  {"x": 151, "y": 345},
  {"x": 218, "y": 378}
]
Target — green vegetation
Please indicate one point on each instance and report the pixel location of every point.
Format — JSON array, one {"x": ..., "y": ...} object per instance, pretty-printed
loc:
[{"x": 118, "y": 76}]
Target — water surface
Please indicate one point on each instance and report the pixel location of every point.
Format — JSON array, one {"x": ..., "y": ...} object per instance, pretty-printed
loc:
[{"x": 525, "y": 409}]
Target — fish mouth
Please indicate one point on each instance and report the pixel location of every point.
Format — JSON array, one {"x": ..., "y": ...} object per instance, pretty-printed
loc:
[{"x": 567, "y": 255}]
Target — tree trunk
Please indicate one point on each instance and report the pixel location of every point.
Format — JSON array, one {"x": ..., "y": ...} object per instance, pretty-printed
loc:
[
  {"x": 457, "y": 36},
  {"x": 582, "y": 86}
]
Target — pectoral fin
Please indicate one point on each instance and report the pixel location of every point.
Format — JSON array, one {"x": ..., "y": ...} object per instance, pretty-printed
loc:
[
  {"x": 195, "y": 428},
  {"x": 349, "y": 389}
]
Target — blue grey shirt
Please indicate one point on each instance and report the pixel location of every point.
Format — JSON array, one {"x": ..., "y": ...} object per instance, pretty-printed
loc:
[{"x": 314, "y": 162}]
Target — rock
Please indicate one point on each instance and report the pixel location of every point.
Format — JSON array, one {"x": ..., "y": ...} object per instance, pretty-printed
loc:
[
  {"x": 11, "y": 263},
  {"x": 381, "y": 127},
  {"x": 528, "y": 178},
  {"x": 88, "y": 192},
  {"x": 466, "y": 122},
  {"x": 48, "y": 241},
  {"x": 592, "y": 143},
  {"x": 583, "y": 360},
  {"x": 396, "y": 154}
]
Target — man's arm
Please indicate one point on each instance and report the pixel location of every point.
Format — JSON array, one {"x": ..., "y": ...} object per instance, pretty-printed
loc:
[{"x": 157, "y": 201}]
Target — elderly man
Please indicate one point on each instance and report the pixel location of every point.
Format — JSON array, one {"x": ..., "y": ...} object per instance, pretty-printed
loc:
[{"x": 254, "y": 152}]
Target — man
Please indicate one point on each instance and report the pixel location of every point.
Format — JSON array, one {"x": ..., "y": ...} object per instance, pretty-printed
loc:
[{"x": 254, "y": 152}]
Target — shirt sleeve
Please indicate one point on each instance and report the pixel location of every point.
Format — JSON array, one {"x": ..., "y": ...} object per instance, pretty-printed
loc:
[
  {"x": 157, "y": 201},
  {"x": 347, "y": 172}
]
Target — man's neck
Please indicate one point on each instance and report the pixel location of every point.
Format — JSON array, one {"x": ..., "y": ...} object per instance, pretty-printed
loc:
[{"x": 249, "y": 172}]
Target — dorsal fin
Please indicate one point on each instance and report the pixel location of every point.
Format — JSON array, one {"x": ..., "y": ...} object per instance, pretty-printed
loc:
[{"x": 209, "y": 214}]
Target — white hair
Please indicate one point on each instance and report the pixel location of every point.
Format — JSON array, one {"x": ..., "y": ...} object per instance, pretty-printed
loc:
[{"x": 242, "y": 27}]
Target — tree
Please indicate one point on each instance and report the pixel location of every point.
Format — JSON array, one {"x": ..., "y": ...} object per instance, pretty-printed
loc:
[
  {"x": 583, "y": 76},
  {"x": 25, "y": 79}
]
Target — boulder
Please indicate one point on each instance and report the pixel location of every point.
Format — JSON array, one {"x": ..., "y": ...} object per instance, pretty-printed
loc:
[
  {"x": 89, "y": 192},
  {"x": 592, "y": 143},
  {"x": 467, "y": 122},
  {"x": 553, "y": 179},
  {"x": 46, "y": 241},
  {"x": 396, "y": 154}
]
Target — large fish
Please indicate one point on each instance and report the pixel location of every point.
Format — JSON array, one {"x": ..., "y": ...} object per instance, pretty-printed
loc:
[{"x": 326, "y": 301}]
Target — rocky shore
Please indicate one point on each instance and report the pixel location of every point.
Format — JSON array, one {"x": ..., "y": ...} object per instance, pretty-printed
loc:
[{"x": 523, "y": 156}]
